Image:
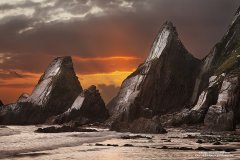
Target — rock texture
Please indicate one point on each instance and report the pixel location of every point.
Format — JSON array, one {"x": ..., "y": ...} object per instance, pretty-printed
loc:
[
  {"x": 217, "y": 56},
  {"x": 55, "y": 92},
  {"x": 88, "y": 107},
  {"x": 197, "y": 113},
  {"x": 62, "y": 129},
  {"x": 23, "y": 98},
  {"x": 140, "y": 125},
  {"x": 222, "y": 116},
  {"x": 218, "y": 104},
  {"x": 224, "y": 59},
  {"x": 163, "y": 83},
  {"x": 57, "y": 88}
]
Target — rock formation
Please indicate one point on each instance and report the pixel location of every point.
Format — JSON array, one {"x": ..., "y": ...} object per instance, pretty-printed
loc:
[
  {"x": 23, "y": 97},
  {"x": 55, "y": 92},
  {"x": 88, "y": 107},
  {"x": 64, "y": 128},
  {"x": 57, "y": 88},
  {"x": 223, "y": 115},
  {"x": 163, "y": 83},
  {"x": 1, "y": 103},
  {"x": 218, "y": 104},
  {"x": 140, "y": 125},
  {"x": 206, "y": 98}
]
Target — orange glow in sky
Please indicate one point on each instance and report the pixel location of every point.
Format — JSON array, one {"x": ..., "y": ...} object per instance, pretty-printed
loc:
[{"x": 14, "y": 87}]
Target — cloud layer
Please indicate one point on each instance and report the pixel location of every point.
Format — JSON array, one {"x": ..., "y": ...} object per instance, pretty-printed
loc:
[{"x": 102, "y": 36}]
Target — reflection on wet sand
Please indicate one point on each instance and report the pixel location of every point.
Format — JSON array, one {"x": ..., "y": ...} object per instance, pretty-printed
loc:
[{"x": 23, "y": 144}]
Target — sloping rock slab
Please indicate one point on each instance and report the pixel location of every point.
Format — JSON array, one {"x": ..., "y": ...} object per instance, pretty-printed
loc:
[
  {"x": 88, "y": 107},
  {"x": 63, "y": 129}
]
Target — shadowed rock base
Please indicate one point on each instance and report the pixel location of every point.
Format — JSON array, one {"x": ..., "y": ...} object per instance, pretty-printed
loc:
[{"x": 141, "y": 125}]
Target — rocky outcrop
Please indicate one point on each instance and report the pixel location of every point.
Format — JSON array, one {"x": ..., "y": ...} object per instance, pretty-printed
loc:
[
  {"x": 23, "y": 98},
  {"x": 222, "y": 116},
  {"x": 1, "y": 103},
  {"x": 197, "y": 113},
  {"x": 218, "y": 55},
  {"x": 225, "y": 59},
  {"x": 55, "y": 92},
  {"x": 57, "y": 88},
  {"x": 163, "y": 83},
  {"x": 88, "y": 107},
  {"x": 217, "y": 105},
  {"x": 62, "y": 129},
  {"x": 140, "y": 125}
]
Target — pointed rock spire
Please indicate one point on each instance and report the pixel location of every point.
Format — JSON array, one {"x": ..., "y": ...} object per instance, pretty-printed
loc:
[
  {"x": 165, "y": 35},
  {"x": 55, "y": 92},
  {"x": 57, "y": 88},
  {"x": 168, "y": 73}
]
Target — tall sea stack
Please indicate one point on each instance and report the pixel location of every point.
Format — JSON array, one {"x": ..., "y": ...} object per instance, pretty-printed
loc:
[{"x": 162, "y": 84}]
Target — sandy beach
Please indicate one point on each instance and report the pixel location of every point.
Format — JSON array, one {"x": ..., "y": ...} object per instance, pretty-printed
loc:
[{"x": 21, "y": 142}]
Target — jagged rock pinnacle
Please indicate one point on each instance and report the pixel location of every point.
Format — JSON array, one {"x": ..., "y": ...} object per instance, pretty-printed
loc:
[{"x": 163, "y": 83}]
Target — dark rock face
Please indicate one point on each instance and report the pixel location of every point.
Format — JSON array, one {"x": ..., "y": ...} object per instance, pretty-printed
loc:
[
  {"x": 218, "y": 104},
  {"x": 222, "y": 115},
  {"x": 23, "y": 97},
  {"x": 1, "y": 103},
  {"x": 140, "y": 125},
  {"x": 57, "y": 88},
  {"x": 163, "y": 83},
  {"x": 224, "y": 59},
  {"x": 197, "y": 113},
  {"x": 88, "y": 107},
  {"x": 218, "y": 55},
  {"x": 55, "y": 92}
]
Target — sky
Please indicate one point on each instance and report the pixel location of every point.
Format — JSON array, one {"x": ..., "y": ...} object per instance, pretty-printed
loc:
[{"x": 107, "y": 39}]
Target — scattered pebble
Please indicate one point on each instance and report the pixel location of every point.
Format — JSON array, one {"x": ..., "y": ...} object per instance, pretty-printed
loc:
[
  {"x": 217, "y": 143},
  {"x": 128, "y": 145},
  {"x": 199, "y": 141}
]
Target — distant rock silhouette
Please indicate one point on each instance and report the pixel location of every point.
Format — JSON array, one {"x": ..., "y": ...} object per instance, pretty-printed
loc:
[
  {"x": 88, "y": 107},
  {"x": 57, "y": 88},
  {"x": 55, "y": 92}
]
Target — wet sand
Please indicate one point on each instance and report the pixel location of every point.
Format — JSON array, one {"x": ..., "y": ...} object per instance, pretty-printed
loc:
[{"x": 21, "y": 142}]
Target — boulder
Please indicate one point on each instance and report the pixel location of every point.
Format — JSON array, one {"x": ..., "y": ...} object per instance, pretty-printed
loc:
[{"x": 88, "y": 107}]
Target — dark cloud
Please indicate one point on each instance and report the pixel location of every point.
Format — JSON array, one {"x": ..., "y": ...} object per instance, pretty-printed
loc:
[
  {"x": 108, "y": 91},
  {"x": 33, "y": 32},
  {"x": 119, "y": 31},
  {"x": 21, "y": 86},
  {"x": 9, "y": 74}
]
